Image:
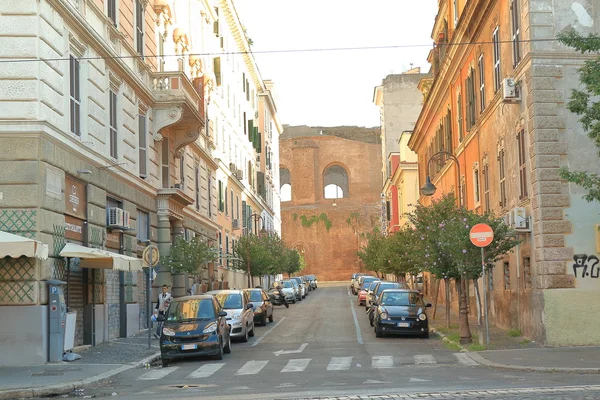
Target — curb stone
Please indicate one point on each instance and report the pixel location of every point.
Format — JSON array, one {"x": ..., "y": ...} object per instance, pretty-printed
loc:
[
  {"x": 445, "y": 339},
  {"x": 62, "y": 388}
]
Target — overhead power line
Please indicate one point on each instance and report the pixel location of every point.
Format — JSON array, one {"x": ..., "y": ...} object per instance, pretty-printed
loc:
[{"x": 359, "y": 48}]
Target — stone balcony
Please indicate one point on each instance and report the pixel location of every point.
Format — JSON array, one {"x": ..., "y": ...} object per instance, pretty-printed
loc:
[
  {"x": 178, "y": 108},
  {"x": 171, "y": 202}
]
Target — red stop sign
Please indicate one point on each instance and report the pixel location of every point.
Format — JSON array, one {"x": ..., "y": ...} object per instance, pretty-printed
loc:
[{"x": 481, "y": 235}]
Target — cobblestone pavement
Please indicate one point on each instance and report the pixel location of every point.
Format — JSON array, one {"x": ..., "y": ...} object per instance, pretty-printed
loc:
[
  {"x": 557, "y": 393},
  {"x": 120, "y": 351}
]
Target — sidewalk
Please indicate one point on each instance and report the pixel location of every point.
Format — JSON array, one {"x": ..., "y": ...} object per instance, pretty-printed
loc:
[
  {"x": 510, "y": 350},
  {"x": 96, "y": 365}
]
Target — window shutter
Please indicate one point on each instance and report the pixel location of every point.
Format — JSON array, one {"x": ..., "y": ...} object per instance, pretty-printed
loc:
[
  {"x": 217, "y": 69},
  {"x": 250, "y": 128},
  {"x": 258, "y": 143},
  {"x": 244, "y": 220}
]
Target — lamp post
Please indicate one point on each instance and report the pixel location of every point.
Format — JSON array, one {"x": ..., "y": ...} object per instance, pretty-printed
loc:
[{"x": 429, "y": 189}]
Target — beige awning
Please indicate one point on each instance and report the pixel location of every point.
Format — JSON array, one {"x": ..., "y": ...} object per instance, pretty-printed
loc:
[
  {"x": 16, "y": 246},
  {"x": 101, "y": 259}
]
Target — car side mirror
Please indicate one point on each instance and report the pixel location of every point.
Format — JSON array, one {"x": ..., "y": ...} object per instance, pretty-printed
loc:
[
  {"x": 428, "y": 305},
  {"x": 222, "y": 314}
]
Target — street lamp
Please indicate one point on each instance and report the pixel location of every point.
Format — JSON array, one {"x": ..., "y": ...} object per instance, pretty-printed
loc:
[{"x": 429, "y": 189}]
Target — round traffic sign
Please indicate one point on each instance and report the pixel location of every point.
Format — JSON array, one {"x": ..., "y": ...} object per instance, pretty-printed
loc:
[
  {"x": 151, "y": 256},
  {"x": 481, "y": 235}
]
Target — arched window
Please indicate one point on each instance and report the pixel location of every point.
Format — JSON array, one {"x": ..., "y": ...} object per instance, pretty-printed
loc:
[
  {"x": 286, "y": 184},
  {"x": 335, "y": 182}
]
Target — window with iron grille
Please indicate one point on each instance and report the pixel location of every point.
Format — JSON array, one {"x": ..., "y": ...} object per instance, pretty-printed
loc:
[
  {"x": 506, "y": 275},
  {"x": 459, "y": 109},
  {"x": 75, "y": 97},
  {"x": 139, "y": 27},
  {"x": 481, "y": 84},
  {"x": 515, "y": 16},
  {"x": 527, "y": 272},
  {"x": 497, "y": 72},
  {"x": 502, "y": 177},
  {"x": 143, "y": 150},
  {"x": 522, "y": 165},
  {"x": 486, "y": 187},
  {"x": 113, "y": 124}
]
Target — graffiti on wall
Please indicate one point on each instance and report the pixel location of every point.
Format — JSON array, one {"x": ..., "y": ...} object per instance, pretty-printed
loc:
[{"x": 587, "y": 265}]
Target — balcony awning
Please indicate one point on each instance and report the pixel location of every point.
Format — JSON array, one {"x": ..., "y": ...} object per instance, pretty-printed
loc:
[
  {"x": 101, "y": 259},
  {"x": 16, "y": 246}
]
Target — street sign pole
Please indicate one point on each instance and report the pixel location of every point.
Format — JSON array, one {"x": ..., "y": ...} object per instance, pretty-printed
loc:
[
  {"x": 148, "y": 303},
  {"x": 485, "y": 307},
  {"x": 482, "y": 235}
]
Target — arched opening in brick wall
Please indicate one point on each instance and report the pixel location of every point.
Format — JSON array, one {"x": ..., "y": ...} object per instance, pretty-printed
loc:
[
  {"x": 285, "y": 180},
  {"x": 335, "y": 182}
]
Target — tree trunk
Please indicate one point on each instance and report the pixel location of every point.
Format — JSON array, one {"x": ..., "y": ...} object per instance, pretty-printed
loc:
[
  {"x": 447, "y": 287},
  {"x": 437, "y": 293},
  {"x": 465, "y": 332},
  {"x": 479, "y": 314}
]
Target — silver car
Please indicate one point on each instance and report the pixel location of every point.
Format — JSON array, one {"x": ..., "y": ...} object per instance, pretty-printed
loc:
[
  {"x": 240, "y": 314},
  {"x": 301, "y": 286},
  {"x": 288, "y": 290}
]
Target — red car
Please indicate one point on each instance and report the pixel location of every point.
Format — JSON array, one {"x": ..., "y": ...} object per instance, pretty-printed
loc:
[{"x": 362, "y": 294}]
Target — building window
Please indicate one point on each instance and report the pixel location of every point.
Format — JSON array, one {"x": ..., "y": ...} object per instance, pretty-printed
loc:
[
  {"x": 481, "y": 84},
  {"x": 209, "y": 195},
  {"x": 522, "y": 164},
  {"x": 448, "y": 128},
  {"x": 139, "y": 27},
  {"x": 182, "y": 172},
  {"x": 459, "y": 109},
  {"x": 112, "y": 11},
  {"x": 197, "y": 187},
  {"x": 237, "y": 207},
  {"x": 113, "y": 124},
  {"x": 486, "y": 187},
  {"x": 220, "y": 249},
  {"x": 231, "y": 203},
  {"x": 221, "y": 199},
  {"x": 476, "y": 188},
  {"x": 506, "y": 275},
  {"x": 225, "y": 198},
  {"x": 227, "y": 250},
  {"x": 75, "y": 96},
  {"x": 143, "y": 226},
  {"x": 165, "y": 173},
  {"x": 455, "y": 13},
  {"x": 143, "y": 150},
  {"x": 502, "y": 177},
  {"x": 527, "y": 272},
  {"x": 515, "y": 16},
  {"x": 463, "y": 191},
  {"x": 470, "y": 84},
  {"x": 497, "y": 72}
]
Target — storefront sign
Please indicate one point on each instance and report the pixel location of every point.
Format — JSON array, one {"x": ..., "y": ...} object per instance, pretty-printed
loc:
[
  {"x": 75, "y": 198},
  {"x": 74, "y": 228}
]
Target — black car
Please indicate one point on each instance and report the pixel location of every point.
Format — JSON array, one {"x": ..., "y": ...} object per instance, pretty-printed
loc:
[
  {"x": 401, "y": 312},
  {"x": 380, "y": 287},
  {"x": 261, "y": 304},
  {"x": 194, "y": 326}
]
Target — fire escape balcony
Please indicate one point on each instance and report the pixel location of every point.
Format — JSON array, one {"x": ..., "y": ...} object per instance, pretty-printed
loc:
[{"x": 178, "y": 108}]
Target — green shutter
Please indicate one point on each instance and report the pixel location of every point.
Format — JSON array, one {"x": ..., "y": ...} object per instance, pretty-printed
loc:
[
  {"x": 259, "y": 143},
  {"x": 250, "y": 128}
]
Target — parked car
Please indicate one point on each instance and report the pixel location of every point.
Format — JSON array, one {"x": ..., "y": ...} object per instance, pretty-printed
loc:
[
  {"x": 380, "y": 287},
  {"x": 369, "y": 297},
  {"x": 362, "y": 293},
  {"x": 288, "y": 289},
  {"x": 402, "y": 312},
  {"x": 263, "y": 308},
  {"x": 301, "y": 287},
  {"x": 313, "y": 281},
  {"x": 352, "y": 280},
  {"x": 240, "y": 314},
  {"x": 194, "y": 326},
  {"x": 358, "y": 283}
]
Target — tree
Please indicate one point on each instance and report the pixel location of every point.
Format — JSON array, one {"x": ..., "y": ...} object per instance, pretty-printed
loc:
[
  {"x": 402, "y": 253},
  {"x": 189, "y": 256},
  {"x": 584, "y": 102},
  {"x": 253, "y": 255},
  {"x": 291, "y": 262},
  {"x": 373, "y": 254}
]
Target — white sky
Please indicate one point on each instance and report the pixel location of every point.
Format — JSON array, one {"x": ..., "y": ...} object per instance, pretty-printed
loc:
[{"x": 330, "y": 88}]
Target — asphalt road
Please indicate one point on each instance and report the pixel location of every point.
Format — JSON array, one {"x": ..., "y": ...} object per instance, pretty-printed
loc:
[{"x": 324, "y": 347}]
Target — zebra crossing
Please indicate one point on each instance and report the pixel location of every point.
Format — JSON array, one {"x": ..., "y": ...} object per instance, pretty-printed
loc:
[{"x": 295, "y": 365}]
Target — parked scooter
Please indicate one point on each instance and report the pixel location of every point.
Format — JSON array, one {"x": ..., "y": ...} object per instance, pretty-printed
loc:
[{"x": 278, "y": 297}]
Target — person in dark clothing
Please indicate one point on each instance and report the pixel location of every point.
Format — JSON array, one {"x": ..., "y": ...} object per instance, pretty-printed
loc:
[{"x": 162, "y": 303}]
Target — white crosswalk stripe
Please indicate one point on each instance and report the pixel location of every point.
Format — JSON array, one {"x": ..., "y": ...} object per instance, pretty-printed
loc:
[
  {"x": 424, "y": 359},
  {"x": 465, "y": 359},
  {"x": 157, "y": 373},
  {"x": 296, "y": 365},
  {"x": 251, "y": 368},
  {"x": 382, "y": 362},
  {"x": 206, "y": 370},
  {"x": 339, "y": 364}
]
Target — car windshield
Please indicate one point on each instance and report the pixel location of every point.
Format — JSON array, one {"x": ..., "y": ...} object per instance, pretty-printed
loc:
[
  {"x": 229, "y": 301},
  {"x": 384, "y": 286},
  {"x": 287, "y": 284},
  {"x": 405, "y": 299},
  {"x": 255, "y": 295},
  {"x": 191, "y": 310}
]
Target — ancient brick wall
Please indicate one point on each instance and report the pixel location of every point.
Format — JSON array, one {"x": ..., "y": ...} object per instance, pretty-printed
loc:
[{"x": 330, "y": 235}]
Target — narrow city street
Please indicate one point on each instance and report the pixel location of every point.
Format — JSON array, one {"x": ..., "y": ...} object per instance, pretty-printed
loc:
[{"x": 324, "y": 346}]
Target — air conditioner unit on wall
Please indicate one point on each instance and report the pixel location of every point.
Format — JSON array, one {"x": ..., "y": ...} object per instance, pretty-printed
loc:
[
  {"x": 520, "y": 219},
  {"x": 239, "y": 174},
  {"x": 115, "y": 217},
  {"x": 232, "y": 167},
  {"x": 126, "y": 220},
  {"x": 510, "y": 90}
]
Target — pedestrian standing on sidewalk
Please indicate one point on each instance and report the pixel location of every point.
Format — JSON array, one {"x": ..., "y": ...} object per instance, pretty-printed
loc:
[{"x": 162, "y": 303}]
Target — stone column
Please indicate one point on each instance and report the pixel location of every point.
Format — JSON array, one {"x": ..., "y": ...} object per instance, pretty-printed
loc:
[
  {"x": 180, "y": 282},
  {"x": 164, "y": 247}
]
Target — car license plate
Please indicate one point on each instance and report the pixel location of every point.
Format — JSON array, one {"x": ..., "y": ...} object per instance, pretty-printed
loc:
[
  {"x": 403, "y": 324},
  {"x": 189, "y": 346}
]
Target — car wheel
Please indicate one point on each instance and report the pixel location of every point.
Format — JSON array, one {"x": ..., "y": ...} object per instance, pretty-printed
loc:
[
  {"x": 271, "y": 316},
  {"x": 219, "y": 355},
  {"x": 245, "y": 337},
  {"x": 251, "y": 333},
  {"x": 378, "y": 332},
  {"x": 165, "y": 362},
  {"x": 263, "y": 319},
  {"x": 425, "y": 335},
  {"x": 227, "y": 348},
  {"x": 300, "y": 299}
]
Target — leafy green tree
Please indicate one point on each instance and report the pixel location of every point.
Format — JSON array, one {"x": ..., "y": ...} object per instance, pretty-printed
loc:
[
  {"x": 292, "y": 262},
  {"x": 403, "y": 253},
  {"x": 373, "y": 254},
  {"x": 189, "y": 256},
  {"x": 584, "y": 102}
]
